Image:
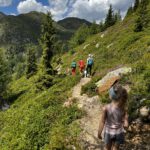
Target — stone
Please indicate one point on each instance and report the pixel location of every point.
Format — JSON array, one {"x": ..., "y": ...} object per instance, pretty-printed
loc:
[
  {"x": 102, "y": 35},
  {"x": 108, "y": 80},
  {"x": 110, "y": 45},
  {"x": 86, "y": 46},
  {"x": 97, "y": 45},
  {"x": 144, "y": 111},
  {"x": 80, "y": 106}
]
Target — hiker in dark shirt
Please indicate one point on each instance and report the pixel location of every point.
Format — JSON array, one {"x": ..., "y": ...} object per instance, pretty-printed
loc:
[{"x": 90, "y": 64}]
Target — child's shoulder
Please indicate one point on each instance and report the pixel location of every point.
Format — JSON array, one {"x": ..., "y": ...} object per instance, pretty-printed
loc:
[{"x": 106, "y": 107}]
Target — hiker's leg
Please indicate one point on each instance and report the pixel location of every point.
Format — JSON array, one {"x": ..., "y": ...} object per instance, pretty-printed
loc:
[
  {"x": 119, "y": 139},
  {"x": 73, "y": 71},
  {"x": 108, "y": 146},
  {"x": 115, "y": 146},
  {"x": 90, "y": 70},
  {"x": 87, "y": 70},
  {"x": 108, "y": 141}
]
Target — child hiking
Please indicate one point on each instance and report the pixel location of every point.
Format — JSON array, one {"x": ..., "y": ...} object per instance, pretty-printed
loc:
[
  {"x": 114, "y": 118},
  {"x": 90, "y": 63},
  {"x": 73, "y": 67}
]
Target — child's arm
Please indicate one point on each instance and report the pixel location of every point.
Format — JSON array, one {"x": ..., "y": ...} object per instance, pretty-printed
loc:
[
  {"x": 102, "y": 122},
  {"x": 126, "y": 123}
]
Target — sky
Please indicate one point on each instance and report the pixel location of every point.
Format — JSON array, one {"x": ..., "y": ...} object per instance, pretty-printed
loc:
[{"x": 91, "y": 10}]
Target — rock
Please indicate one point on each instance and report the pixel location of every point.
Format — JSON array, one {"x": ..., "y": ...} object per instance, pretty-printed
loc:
[
  {"x": 80, "y": 106},
  {"x": 144, "y": 111},
  {"x": 68, "y": 103},
  {"x": 59, "y": 68},
  {"x": 137, "y": 139},
  {"x": 107, "y": 81},
  {"x": 86, "y": 46},
  {"x": 110, "y": 45},
  {"x": 5, "y": 107},
  {"x": 102, "y": 35},
  {"x": 97, "y": 45}
]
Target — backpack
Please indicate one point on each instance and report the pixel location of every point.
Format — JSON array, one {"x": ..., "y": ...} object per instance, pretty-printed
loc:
[
  {"x": 73, "y": 65},
  {"x": 90, "y": 61}
]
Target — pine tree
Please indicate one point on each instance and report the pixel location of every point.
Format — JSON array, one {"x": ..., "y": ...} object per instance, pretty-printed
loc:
[
  {"x": 101, "y": 26},
  {"x": 109, "y": 21},
  {"x": 130, "y": 11},
  {"x": 143, "y": 18},
  {"x": 117, "y": 16},
  {"x": 138, "y": 25},
  {"x": 4, "y": 73},
  {"x": 94, "y": 28},
  {"x": 80, "y": 36},
  {"x": 47, "y": 42},
  {"x": 31, "y": 66},
  {"x": 136, "y": 5}
]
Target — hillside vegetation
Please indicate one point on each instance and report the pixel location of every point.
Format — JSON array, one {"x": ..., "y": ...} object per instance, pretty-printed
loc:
[{"x": 37, "y": 119}]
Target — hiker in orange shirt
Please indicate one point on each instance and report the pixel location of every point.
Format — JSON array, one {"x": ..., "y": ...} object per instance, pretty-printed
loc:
[{"x": 81, "y": 66}]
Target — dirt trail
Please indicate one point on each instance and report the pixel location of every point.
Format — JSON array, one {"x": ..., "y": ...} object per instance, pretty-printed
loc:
[
  {"x": 90, "y": 122},
  {"x": 135, "y": 140}
]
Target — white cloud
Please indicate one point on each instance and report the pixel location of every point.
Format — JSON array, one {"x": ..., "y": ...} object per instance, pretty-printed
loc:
[
  {"x": 97, "y": 9},
  {"x": 4, "y": 3},
  {"x": 31, "y": 5},
  {"x": 59, "y": 8},
  {"x": 86, "y": 9}
]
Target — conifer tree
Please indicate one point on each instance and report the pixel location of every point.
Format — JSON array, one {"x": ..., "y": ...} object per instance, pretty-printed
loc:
[
  {"x": 47, "y": 42},
  {"x": 101, "y": 26},
  {"x": 130, "y": 11},
  {"x": 110, "y": 18},
  {"x": 109, "y": 21},
  {"x": 4, "y": 73},
  {"x": 117, "y": 16},
  {"x": 31, "y": 66},
  {"x": 94, "y": 28},
  {"x": 136, "y": 5},
  {"x": 143, "y": 19},
  {"x": 80, "y": 36}
]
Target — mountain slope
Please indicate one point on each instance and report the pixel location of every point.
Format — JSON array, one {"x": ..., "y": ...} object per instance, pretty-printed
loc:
[
  {"x": 73, "y": 23},
  {"x": 37, "y": 120},
  {"x": 25, "y": 28}
]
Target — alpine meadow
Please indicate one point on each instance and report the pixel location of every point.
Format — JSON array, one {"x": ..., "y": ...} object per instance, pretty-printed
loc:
[{"x": 46, "y": 105}]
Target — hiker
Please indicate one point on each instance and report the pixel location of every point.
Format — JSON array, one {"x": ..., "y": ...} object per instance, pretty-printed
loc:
[
  {"x": 114, "y": 118},
  {"x": 73, "y": 67},
  {"x": 81, "y": 66},
  {"x": 90, "y": 63}
]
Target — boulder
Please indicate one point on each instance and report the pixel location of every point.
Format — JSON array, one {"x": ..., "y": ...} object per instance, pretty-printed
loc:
[{"x": 107, "y": 81}]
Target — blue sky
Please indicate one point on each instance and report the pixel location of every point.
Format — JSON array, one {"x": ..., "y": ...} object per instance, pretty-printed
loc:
[
  {"x": 12, "y": 9},
  {"x": 86, "y": 9}
]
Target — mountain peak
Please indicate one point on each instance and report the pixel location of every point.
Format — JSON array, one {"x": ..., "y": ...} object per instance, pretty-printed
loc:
[{"x": 73, "y": 23}]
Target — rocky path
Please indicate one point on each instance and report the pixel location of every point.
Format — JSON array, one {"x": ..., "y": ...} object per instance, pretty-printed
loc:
[
  {"x": 135, "y": 139},
  {"x": 90, "y": 122}
]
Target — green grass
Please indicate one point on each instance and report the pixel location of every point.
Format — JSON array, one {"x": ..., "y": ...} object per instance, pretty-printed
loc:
[{"x": 37, "y": 120}]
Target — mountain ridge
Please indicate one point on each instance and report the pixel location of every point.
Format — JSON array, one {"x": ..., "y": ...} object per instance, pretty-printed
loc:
[{"x": 25, "y": 28}]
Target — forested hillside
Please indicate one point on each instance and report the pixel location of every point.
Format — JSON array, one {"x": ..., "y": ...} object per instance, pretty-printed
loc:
[{"x": 37, "y": 118}]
